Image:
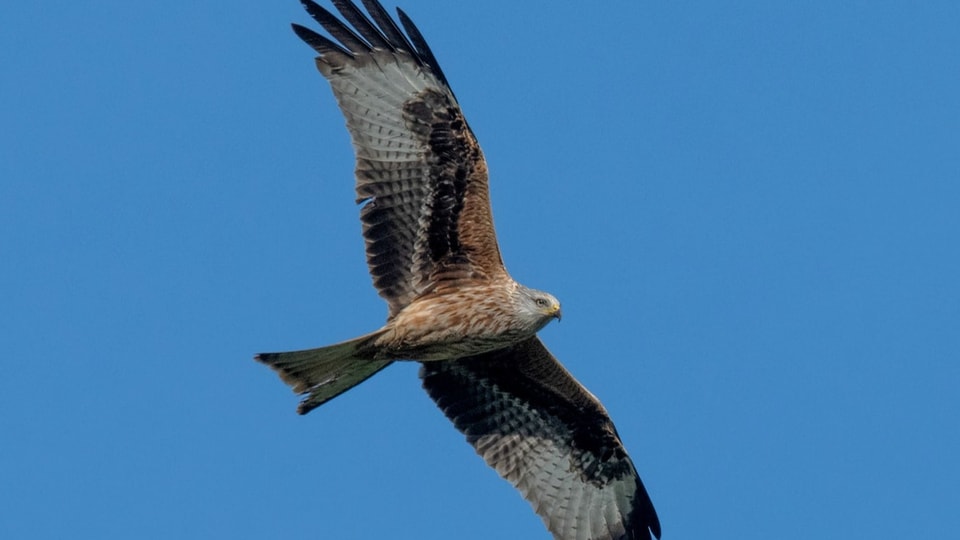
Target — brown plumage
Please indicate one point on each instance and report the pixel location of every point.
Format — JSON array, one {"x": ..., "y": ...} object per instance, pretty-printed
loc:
[{"x": 432, "y": 251}]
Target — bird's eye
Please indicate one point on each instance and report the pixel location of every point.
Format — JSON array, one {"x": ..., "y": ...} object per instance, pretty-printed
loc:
[{"x": 542, "y": 302}]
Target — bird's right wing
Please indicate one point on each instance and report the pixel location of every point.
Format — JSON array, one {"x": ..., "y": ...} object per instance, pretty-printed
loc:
[
  {"x": 420, "y": 173},
  {"x": 548, "y": 436}
]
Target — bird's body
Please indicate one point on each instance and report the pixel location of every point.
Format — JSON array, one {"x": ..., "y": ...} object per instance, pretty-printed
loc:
[
  {"x": 445, "y": 324},
  {"x": 437, "y": 327},
  {"x": 433, "y": 255}
]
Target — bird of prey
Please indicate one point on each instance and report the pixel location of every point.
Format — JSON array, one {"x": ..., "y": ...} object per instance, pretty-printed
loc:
[{"x": 421, "y": 181}]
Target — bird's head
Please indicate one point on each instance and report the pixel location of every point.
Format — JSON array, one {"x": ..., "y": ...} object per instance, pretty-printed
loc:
[{"x": 538, "y": 307}]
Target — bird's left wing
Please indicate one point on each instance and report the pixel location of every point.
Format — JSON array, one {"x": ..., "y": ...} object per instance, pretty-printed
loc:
[
  {"x": 420, "y": 171},
  {"x": 548, "y": 436}
]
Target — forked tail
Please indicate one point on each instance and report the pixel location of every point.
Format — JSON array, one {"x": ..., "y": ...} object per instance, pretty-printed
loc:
[{"x": 324, "y": 373}]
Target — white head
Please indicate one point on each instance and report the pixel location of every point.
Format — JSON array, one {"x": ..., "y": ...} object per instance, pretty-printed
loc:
[{"x": 536, "y": 308}]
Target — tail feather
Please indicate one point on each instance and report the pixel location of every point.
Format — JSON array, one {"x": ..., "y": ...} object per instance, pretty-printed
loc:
[{"x": 324, "y": 373}]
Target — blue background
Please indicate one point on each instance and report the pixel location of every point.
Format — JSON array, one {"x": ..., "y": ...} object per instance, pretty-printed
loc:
[{"x": 749, "y": 212}]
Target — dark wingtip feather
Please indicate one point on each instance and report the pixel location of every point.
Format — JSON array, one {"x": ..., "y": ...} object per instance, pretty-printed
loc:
[
  {"x": 382, "y": 32},
  {"x": 643, "y": 516},
  {"x": 317, "y": 42},
  {"x": 423, "y": 50},
  {"x": 337, "y": 29},
  {"x": 389, "y": 27},
  {"x": 367, "y": 29}
]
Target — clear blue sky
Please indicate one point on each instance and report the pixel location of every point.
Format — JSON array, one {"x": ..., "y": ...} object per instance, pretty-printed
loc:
[{"x": 751, "y": 213}]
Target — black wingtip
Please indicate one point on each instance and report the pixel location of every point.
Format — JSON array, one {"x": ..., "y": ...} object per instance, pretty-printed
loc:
[
  {"x": 373, "y": 35},
  {"x": 389, "y": 28},
  {"x": 420, "y": 44},
  {"x": 644, "y": 515},
  {"x": 317, "y": 42},
  {"x": 374, "y": 31},
  {"x": 304, "y": 33}
]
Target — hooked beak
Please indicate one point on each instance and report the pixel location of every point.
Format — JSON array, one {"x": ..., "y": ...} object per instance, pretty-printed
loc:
[{"x": 557, "y": 313}]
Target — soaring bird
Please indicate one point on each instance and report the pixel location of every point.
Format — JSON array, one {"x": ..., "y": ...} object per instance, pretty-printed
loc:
[{"x": 421, "y": 181}]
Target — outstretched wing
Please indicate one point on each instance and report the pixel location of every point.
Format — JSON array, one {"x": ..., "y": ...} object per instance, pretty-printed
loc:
[
  {"x": 548, "y": 436},
  {"x": 421, "y": 176}
]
